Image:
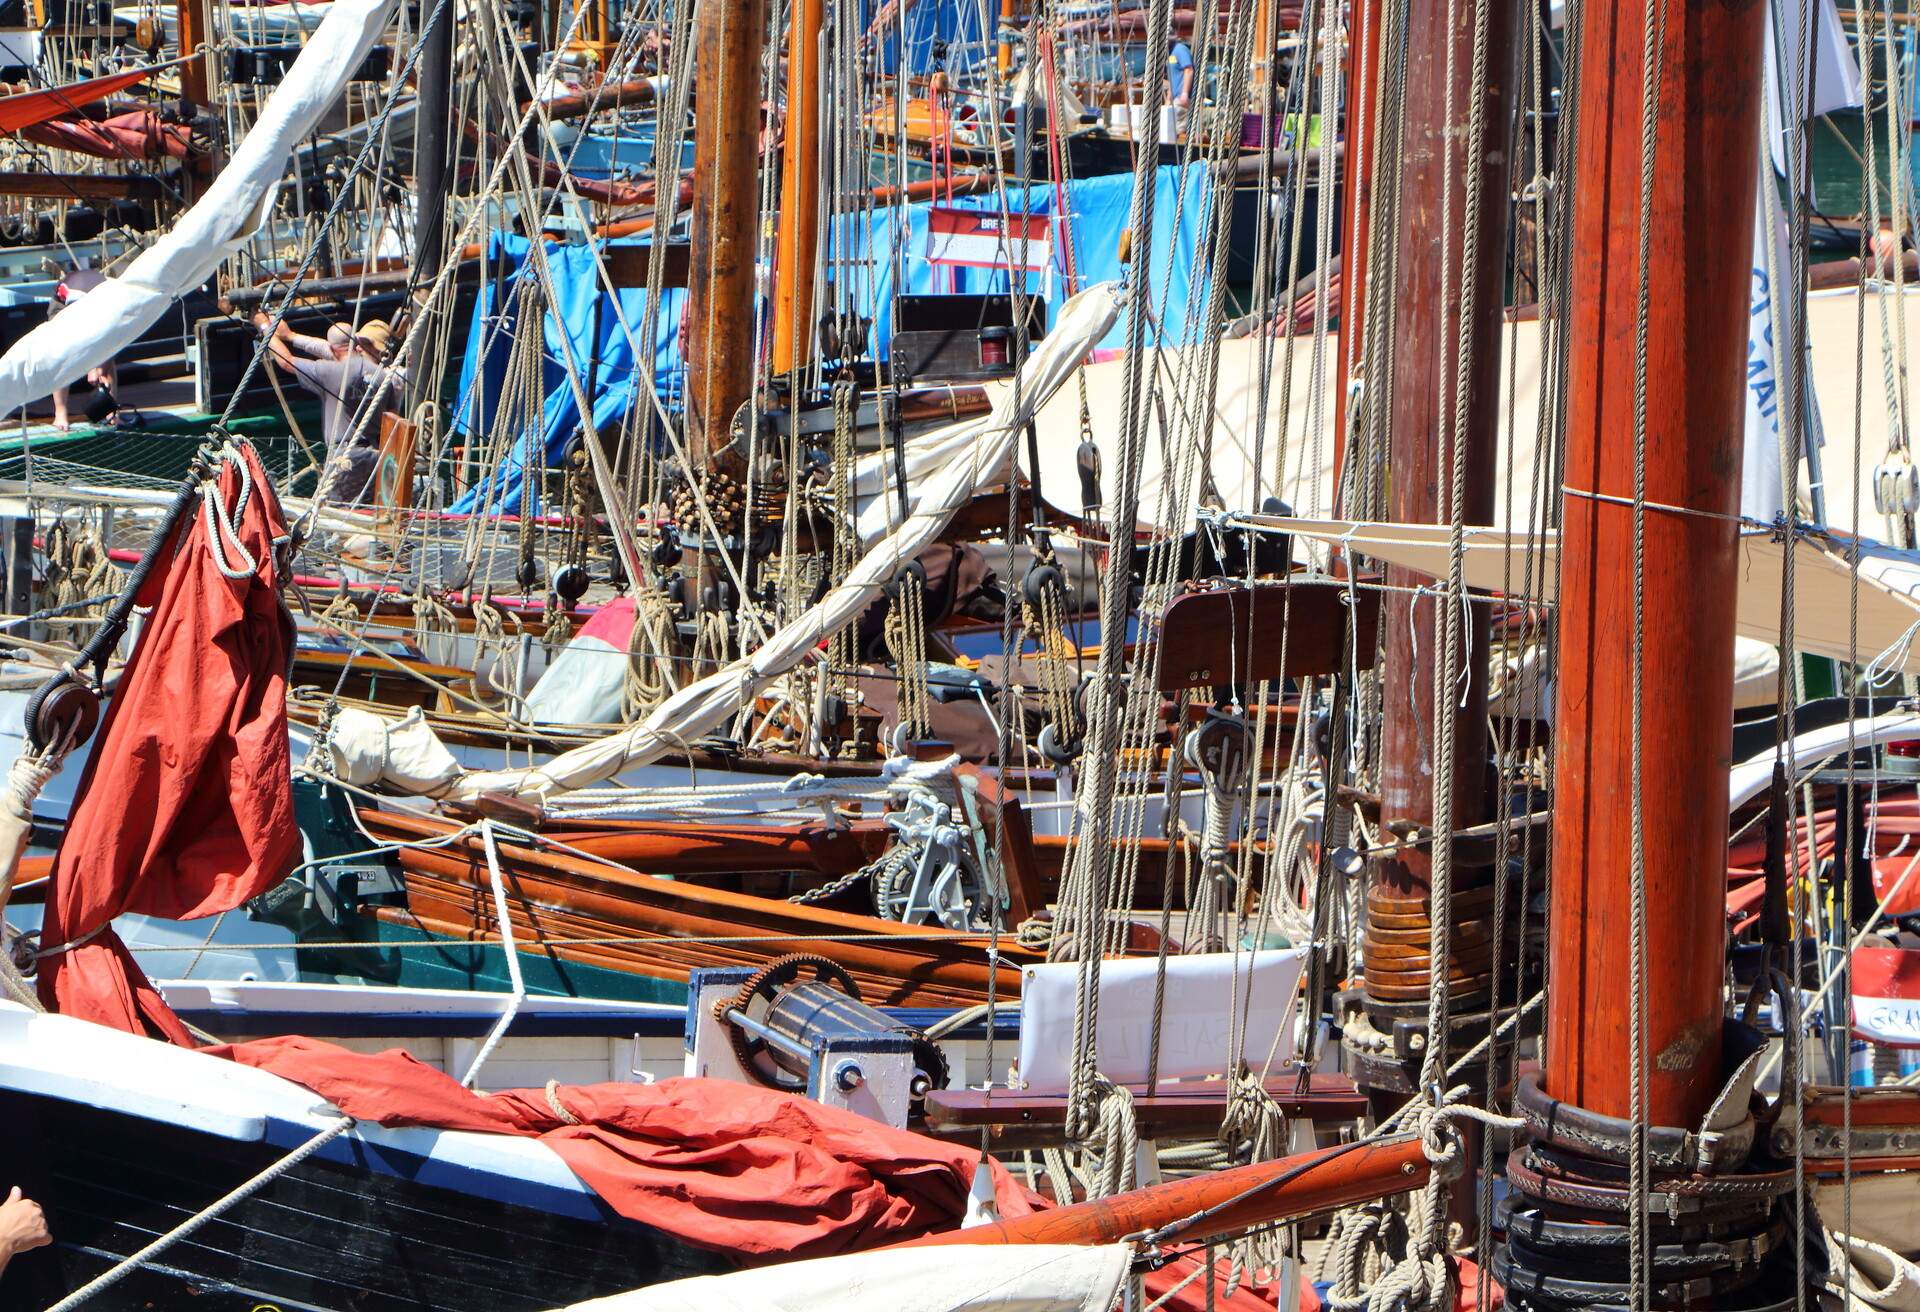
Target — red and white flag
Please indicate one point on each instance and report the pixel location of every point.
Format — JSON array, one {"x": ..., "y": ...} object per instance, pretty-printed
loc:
[
  {"x": 987, "y": 239},
  {"x": 586, "y": 681}
]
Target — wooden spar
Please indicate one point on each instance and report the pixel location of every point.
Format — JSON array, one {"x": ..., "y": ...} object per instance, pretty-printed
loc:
[
  {"x": 947, "y": 184},
  {"x": 1244, "y": 1196},
  {"x": 1004, "y": 55},
  {"x": 582, "y": 103},
  {"x": 720, "y": 317},
  {"x": 1427, "y": 343},
  {"x": 77, "y": 186},
  {"x": 793, "y": 306},
  {"x": 1704, "y": 172},
  {"x": 1363, "y": 75}
]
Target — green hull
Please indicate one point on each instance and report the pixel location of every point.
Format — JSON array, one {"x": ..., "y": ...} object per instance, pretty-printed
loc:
[{"x": 420, "y": 959}]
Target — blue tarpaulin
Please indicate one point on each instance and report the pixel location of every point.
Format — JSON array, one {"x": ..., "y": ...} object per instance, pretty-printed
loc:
[
  {"x": 483, "y": 369},
  {"x": 1102, "y": 210},
  {"x": 863, "y": 243}
]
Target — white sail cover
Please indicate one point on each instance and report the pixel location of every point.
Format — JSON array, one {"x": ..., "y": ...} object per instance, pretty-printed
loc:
[
  {"x": 1495, "y": 559},
  {"x": 95, "y": 327},
  {"x": 1003, "y": 1278},
  {"x": 947, "y": 467}
]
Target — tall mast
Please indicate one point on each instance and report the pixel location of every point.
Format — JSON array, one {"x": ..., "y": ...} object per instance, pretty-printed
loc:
[
  {"x": 720, "y": 311},
  {"x": 793, "y": 308},
  {"x": 195, "y": 31},
  {"x": 432, "y": 168},
  {"x": 1436, "y": 152},
  {"x": 1704, "y": 167},
  {"x": 1677, "y": 420}
]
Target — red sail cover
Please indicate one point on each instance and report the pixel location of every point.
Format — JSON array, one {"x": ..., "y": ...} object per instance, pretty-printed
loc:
[
  {"x": 31, "y": 107},
  {"x": 728, "y": 1166},
  {"x": 186, "y": 808}
]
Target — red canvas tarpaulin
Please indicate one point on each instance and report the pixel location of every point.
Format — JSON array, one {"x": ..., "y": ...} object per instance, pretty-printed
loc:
[
  {"x": 31, "y": 107},
  {"x": 142, "y": 134},
  {"x": 186, "y": 808},
  {"x": 728, "y": 1166}
]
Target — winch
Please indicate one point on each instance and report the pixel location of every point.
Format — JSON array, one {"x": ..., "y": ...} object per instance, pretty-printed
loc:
[{"x": 798, "y": 1025}]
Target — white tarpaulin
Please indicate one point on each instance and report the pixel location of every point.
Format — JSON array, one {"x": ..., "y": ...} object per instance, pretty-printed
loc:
[
  {"x": 95, "y": 327},
  {"x": 1002, "y": 1278},
  {"x": 1195, "y": 1015},
  {"x": 1296, "y": 464},
  {"x": 971, "y": 455},
  {"x": 1495, "y": 560}
]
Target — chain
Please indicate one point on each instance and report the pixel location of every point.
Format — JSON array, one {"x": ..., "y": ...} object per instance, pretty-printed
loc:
[{"x": 851, "y": 880}]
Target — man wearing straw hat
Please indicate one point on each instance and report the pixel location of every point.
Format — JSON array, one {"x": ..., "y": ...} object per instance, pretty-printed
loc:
[{"x": 345, "y": 370}]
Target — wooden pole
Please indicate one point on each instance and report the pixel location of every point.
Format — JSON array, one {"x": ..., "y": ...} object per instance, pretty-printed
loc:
[
  {"x": 1427, "y": 344},
  {"x": 1219, "y": 1202},
  {"x": 793, "y": 302},
  {"x": 195, "y": 31},
  {"x": 720, "y": 309},
  {"x": 1263, "y": 51},
  {"x": 1696, "y": 343}
]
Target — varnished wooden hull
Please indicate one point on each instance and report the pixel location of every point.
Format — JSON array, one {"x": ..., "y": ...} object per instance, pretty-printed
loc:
[{"x": 556, "y": 899}]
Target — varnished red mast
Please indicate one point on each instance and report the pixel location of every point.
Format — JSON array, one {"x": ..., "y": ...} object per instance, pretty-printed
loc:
[{"x": 1703, "y": 172}]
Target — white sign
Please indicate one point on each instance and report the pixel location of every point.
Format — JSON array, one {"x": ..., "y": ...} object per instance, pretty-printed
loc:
[{"x": 1203, "y": 993}]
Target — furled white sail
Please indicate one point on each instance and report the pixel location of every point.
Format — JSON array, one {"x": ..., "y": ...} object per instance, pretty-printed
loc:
[
  {"x": 238, "y": 201},
  {"x": 1887, "y": 612},
  {"x": 970, "y": 455},
  {"x": 1018, "y": 1278}
]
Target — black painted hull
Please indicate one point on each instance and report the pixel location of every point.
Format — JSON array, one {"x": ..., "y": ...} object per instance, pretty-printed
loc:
[{"x": 328, "y": 1236}]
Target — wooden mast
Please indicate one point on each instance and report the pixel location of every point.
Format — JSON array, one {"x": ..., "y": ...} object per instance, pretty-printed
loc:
[
  {"x": 720, "y": 309},
  {"x": 1704, "y": 171},
  {"x": 1363, "y": 79},
  {"x": 195, "y": 32},
  {"x": 1428, "y": 280},
  {"x": 793, "y": 301}
]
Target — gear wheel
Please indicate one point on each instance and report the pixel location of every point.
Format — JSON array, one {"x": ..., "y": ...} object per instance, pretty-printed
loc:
[
  {"x": 960, "y": 901},
  {"x": 764, "y": 985}
]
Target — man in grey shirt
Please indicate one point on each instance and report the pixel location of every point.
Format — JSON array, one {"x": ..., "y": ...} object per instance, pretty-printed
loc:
[{"x": 343, "y": 369}]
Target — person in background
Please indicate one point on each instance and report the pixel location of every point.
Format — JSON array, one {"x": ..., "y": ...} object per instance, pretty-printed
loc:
[
  {"x": 22, "y": 1227},
  {"x": 1180, "y": 76},
  {"x": 343, "y": 369},
  {"x": 104, "y": 408}
]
